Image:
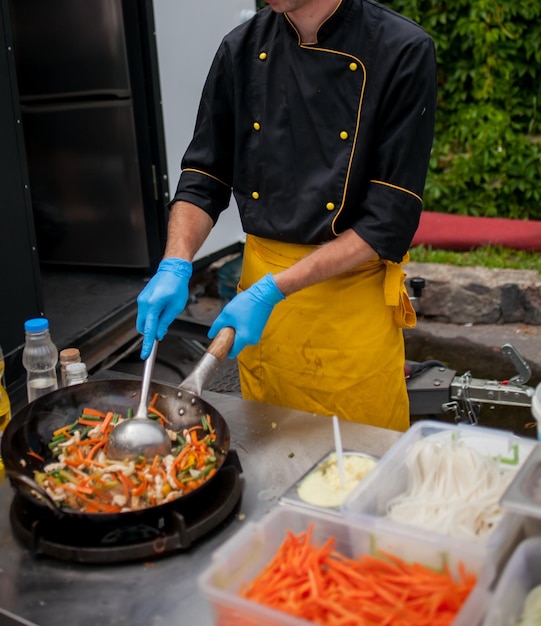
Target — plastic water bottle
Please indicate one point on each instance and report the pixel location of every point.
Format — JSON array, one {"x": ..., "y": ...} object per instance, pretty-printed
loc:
[{"x": 40, "y": 357}]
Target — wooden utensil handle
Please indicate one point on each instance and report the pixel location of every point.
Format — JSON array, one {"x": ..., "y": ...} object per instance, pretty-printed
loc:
[{"x": 222, "y": 343}]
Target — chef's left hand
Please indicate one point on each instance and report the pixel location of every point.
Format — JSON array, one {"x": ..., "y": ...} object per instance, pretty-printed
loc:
[{"x": 248, "y": 313}]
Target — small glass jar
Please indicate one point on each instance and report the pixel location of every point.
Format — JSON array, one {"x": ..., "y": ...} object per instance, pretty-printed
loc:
[
  {"x": 76, "y": 373},
  {"x": 68, "y": 355}
]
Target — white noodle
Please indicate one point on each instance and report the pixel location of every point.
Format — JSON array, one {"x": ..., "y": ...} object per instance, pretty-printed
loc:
[{"x": 452, "y": 489}]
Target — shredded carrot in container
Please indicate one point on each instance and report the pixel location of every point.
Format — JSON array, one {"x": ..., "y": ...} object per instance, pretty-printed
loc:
[{"x": 323, "y": 586}]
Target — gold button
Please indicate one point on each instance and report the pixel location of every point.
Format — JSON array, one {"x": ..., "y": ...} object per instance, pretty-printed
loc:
[
  {"x": 344, "y": 135},
  {"x": 330, "y": 206},
  {"x": 262, "y": 55},
  {"x": 257, "y": 126},
  {"x": 255, "y": 195},
  {"x": 353, "y": 67}
]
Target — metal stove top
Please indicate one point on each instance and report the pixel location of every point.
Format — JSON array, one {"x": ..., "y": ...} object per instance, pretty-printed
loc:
[{"x": 275, "y": 446}]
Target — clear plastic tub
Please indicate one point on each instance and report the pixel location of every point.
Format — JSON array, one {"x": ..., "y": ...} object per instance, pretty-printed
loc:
[
  {"x": 389, "y": 479},
  {"x": 295, "y": 496},
  {"x": 521, "y": 574},
  {"x": 243, "y": 556},
  {"x": 536, "y": 409}
]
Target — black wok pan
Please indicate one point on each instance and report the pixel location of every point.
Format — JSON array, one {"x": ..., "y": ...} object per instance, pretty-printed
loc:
[{"x": 31, "y": 429}]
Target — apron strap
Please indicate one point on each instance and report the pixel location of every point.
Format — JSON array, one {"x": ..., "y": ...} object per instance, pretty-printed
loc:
[{"x": 396, "y": 294}]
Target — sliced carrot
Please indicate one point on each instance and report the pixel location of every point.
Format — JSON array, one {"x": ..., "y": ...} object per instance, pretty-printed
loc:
[
  {"x": 90, "y": 411},
  {"x": 163, "y": 419},
  {"x": 88, "y": 442},
  {"x": 35, "y": 455},
  {"x": 94, "y": 463},
  {"x": 85, "y": 422},
  {"x": 94, "y": 449},
  {"x": 155, "y": 462},
  {"x": 141, "y": 488},
  {"x": 127, "y": 484},
  {"x": 72, "y": 462},
  {"x": 108, "y": 418},
  {"x": 328, "y": 588}
]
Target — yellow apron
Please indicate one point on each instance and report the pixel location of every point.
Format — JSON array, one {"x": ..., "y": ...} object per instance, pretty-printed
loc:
[{"x": 334, "y": 348}]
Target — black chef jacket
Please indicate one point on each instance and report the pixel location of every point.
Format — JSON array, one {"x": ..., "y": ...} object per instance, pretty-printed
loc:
[{"x": 318, "y": 137}]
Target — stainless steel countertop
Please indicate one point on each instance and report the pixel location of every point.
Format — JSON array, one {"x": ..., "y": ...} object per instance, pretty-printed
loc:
[{"x": 276, "y": 446}]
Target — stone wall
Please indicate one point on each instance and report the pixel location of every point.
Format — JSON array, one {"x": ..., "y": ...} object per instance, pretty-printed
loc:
[{"x": 477, "y": 295}]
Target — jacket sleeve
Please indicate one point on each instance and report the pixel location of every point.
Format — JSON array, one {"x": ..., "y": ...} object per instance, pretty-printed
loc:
[
  {"x": 392, "y": 206},
  {"x": 207, "y": 165}
]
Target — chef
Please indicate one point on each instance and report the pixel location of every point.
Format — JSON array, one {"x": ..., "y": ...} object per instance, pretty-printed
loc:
[{"x": 318, "y": 116}]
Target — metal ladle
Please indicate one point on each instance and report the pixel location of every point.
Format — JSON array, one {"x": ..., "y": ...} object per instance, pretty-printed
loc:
[{"x": 139, "y": 436}]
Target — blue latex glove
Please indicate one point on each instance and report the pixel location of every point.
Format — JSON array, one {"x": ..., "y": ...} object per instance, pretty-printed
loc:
[
  {"x": 247, "y": 313},
  {"x": 162, "y": 300}
]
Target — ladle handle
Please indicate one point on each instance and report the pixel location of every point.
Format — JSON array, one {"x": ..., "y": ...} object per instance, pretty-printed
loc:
[
  {"x": 147, "y": 375},
  {"x": 222, "y": 343}
]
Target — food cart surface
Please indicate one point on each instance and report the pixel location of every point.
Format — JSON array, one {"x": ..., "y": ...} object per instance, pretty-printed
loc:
[{"x": 275, "y": 446}]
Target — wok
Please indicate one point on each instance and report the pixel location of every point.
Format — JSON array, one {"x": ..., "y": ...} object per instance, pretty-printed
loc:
[{"x": 32, "y": 427}]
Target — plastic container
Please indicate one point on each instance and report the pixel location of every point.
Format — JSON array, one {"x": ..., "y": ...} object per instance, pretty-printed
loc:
[
  {"x": 536, "y": 409},
  {"x": 76, "y": 374},
  {"x": 40, "y": 357},
  {"x": 245, "y": 554},
  {"x": 521, "y": 574},
  {"x": 523, "y": 495},
  {"x": 389, "y": 479},
  {"x": 67, "y": 356},
  {"x": 294, "y": 495}
]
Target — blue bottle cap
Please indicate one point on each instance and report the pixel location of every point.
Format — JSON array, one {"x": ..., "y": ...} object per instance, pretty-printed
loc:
[{"x": 36, "y": 325}]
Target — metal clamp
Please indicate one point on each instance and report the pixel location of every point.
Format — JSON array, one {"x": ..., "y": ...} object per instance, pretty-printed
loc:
[
  {"x": 524, "y": 371},
  {"x": 466, "y": 410}
]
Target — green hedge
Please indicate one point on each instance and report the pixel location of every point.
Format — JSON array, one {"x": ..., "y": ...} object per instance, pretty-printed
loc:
[{"x": 486, "y": 158}]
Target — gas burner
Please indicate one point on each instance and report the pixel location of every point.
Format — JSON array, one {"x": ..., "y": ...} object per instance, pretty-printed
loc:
[{"x": 87, "y": 541}]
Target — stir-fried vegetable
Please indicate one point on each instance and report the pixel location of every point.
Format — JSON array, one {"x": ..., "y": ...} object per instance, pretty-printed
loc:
[
  {"x": 325, "y": 587},
  {"x": 82, "y": 477}
]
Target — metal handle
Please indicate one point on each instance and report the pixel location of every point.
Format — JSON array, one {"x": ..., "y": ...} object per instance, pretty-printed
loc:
[
  {"x": 147, "y": 375},
  {"x": 33, "y": 489},
  {"x": 207, "y": 366},
  {"x": 524, "y": 371}
]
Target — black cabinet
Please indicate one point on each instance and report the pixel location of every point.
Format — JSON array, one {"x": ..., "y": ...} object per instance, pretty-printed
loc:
[
  {"x": 20, "y": 289},
  {"x": 83, "y": 182}
]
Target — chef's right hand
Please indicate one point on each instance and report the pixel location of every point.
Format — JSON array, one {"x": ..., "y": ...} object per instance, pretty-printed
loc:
[{"x": 162, "y": 300}]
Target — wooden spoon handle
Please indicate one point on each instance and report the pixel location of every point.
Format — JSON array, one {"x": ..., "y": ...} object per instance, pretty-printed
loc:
[{"x": 222, "y": 343}]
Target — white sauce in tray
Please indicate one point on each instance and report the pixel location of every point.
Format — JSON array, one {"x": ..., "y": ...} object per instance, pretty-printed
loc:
[{"x": 322, "y": 486}]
